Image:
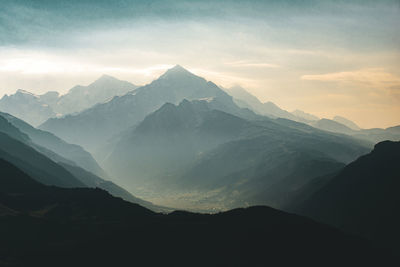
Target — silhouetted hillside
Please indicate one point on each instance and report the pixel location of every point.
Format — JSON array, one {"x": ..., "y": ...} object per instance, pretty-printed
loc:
[
  {"x": 35, "y": 164},
  {"x": 48, "y": 167},
  {"x": 363, "y": 198},
  {"x": 48, "y": 140},
  {"x": 49, "y": 226}
]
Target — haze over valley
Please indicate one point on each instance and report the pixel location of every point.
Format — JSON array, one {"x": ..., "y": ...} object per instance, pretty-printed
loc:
[{"x": 194, "y": 133}]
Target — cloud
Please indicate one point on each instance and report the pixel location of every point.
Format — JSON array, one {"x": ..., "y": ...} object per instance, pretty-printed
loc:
[
  {"x": 370, "y": 77},
  {"x": 252, "y": 64}
]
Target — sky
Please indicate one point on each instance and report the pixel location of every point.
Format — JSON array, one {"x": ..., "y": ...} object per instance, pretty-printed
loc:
[{"x": 323, "y": 57}]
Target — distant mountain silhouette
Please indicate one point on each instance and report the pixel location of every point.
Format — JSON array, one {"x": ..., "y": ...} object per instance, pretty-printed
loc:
[
  {"x": 374, "y": 135},
  {"x": 377, "y": 135},
  {"x": 81, "y": 97},
  {"x": 303, "y": 115},
  {"x": 48, "y": 167},
  {"x": 246, "y": 100},
  {"x": 338, "y": 125},
  {"x": 96, "y": 125},
  {"x": 363, "y": 198},
  {"x": 50, "y": 226},
  {"x": 48, "y": 140},
  {"x": 332, "y": 126},
  {"x": 27, "y": 106},
  {"x": 36, "y": 109},
  {"x": 347, "y": 122},
  {"x": 193, "y": 147}
]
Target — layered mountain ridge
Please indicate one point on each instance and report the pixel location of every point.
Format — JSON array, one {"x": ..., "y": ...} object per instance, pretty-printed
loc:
[
  {"x": 96, "y": 125},
  {"x": 36, "y": 109},
  {"x": 40, "y": 225},
  {"x": 190, "y": 147}
]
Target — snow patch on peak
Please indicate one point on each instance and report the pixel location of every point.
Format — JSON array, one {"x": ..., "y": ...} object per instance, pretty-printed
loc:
[{"x": 24, "y": 92}]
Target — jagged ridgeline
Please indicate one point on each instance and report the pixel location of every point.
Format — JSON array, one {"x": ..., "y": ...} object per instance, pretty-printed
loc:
[
  {"x": 182, "y": 142},
  {"x": 47, "y": 226},
  {"x": 183, "y": 134}
]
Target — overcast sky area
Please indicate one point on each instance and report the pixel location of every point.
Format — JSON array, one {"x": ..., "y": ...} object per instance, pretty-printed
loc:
[{"x": 324, "y": 57}]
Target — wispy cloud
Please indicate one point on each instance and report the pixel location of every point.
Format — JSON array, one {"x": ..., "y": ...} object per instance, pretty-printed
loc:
[
  {"x": 371, "y": 77},
  {"x": 252, "y": 64}
]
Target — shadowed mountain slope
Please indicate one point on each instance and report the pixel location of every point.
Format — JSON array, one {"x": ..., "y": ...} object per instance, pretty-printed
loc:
[
  {"x": 193, "y": 147},
  {"x": 93, "y": 127},
  {"x": 48, "y": 226},
  {"x": 48, "y": 140},
  {"x": 363, "y": 198},
  {"x": 50, "y": 168},
  {"x": 36, "y": 164}
]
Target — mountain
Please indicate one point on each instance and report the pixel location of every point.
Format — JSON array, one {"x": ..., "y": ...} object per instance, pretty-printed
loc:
[
  {"x": 347, "y": 123},
  {"x": 27, "y": 106},
  {"x": 193, "y": 149},
  {"x": 49, "y": 168},
  {"x": 95, "y": 126},
  {"x": 378, "y": 135},
  {"x": 81, "y": 97},
  {"x": 363, "y": 198},
  {"x": 171, "y": 138},
  {"x": 303, "y": 115},
  {"x": 246, "y": 100},
  {"x": 36, "y": 164},
  {"x": 48, "y": 226},
  {"x": 50, "y": 98},
  {"x": 36, "y": 109},
  {"x": 48, "y": 140},
  {"x": 374, "y": 135},
  {"x": 338, "y": 125},
  {"x": 332, "y": 126},
  {"x": 92, "y": 181}
]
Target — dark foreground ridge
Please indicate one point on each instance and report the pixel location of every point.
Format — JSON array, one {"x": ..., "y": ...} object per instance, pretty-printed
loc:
[
  {"x": 363, "y": 198},
  {"x": 50, "y": 226}
]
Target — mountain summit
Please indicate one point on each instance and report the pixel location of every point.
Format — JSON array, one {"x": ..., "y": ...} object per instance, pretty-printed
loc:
[
  {"x": 36, "y": 109},
  {"x": 98, "y": 124},
  {"x": 81, "y": 97},
  {"x": 27, "y": 106},
  {"x": 176, "y": 70}
]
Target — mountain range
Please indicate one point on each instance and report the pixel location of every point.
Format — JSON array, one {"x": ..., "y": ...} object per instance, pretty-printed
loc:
[
  {"x": 337, "y": 125},
  {"x": 47, "y": 226},
  {"x": 96, "y": 125},
  {"x": 49, "y": 166},
  {"x": 191, "y": 147},
  {"x": 178, "y": 136},
  {"x": 246, "y": 100},
  {"x": 79, "y": 189},
  {"x": 35, "y": 109}
]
